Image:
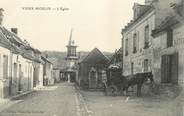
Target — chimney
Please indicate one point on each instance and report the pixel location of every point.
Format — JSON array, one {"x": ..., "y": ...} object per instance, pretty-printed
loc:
[
  {"x": 14, "y": 30},
  {"x": 136, "y": 11},
  {"x": 1, "y": 16}
]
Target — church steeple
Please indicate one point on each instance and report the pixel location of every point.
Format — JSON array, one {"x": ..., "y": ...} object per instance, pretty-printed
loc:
[
  {"x": 71, "y": 60},
  {"x": 71, "y": 47},
  {"x": 70, "y": 39}
]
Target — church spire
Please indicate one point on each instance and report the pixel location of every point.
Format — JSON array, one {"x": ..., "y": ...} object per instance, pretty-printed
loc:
[{"x": 71, "y": 41}]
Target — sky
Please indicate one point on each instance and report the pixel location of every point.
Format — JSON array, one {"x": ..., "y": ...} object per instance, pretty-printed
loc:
[{"x": 95, "y": 23}]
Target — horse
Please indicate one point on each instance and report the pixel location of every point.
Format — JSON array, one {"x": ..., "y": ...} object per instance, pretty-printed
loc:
[{"x": 138, "y": 79}]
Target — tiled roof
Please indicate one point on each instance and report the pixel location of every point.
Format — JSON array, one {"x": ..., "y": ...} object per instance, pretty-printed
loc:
[
  {"x": 16, "y": 45},
  {"x": 95, "y": 56},
  {"x": 5, "y": 42},
  {"x": 11, "y": 36}
]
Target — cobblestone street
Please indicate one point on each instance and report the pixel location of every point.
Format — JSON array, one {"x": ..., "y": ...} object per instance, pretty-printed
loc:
[
  {"x": 59, "y": 100},
  {"x": 65, "y": 100}
]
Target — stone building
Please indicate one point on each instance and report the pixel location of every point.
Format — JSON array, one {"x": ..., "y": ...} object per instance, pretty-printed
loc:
[
  {"x": 21, "y": 65},
  {"x": 168, "y": 48},
  {"x": 19, "y": 73},
  {"x": 137, "y": 40}
]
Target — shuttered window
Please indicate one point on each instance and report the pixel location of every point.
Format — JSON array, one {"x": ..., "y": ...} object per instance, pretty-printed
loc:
[
  {"x": 169, "y": 68},
  {"x": 135, "y": 43},
  {"x": 166, "y": 69},
  {"x": 146, "y": 37}
]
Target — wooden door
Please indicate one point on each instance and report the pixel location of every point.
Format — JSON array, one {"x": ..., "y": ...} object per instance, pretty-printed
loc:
[{"x": 166, "y": 69}]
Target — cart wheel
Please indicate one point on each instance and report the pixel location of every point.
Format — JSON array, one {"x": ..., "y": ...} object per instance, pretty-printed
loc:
[{"x": 112, "y": 90}]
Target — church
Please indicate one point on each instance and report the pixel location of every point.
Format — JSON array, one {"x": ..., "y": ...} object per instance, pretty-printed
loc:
[{"x": 70, "y": 71}]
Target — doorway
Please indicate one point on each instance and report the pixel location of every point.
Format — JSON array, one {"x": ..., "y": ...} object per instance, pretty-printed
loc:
[
  {"x": 20, "y": 78},
  {"x": 14, "y": 80},
  {"x": 93, "y": 78},
  {"x": 72, "y": 77},
  {"x": 169, "y": 68},
  {"x": 35, "y": 78}
]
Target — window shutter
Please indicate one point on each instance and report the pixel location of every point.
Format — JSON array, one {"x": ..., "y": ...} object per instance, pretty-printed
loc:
[
  {"x": 164, "y": 69},
  {"x": 175, "y": 68}
]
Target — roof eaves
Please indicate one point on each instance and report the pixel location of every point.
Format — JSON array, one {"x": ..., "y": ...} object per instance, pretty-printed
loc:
[
  {"x": 168, "y": 22},
  {"x": 12, "y": 36}
]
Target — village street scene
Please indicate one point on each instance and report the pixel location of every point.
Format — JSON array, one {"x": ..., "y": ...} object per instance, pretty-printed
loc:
[{"x": 143, "y": 76}]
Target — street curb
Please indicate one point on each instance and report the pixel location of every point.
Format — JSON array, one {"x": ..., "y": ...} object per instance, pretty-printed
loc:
[
  {"x": 81, "y": 97},
  {"x": 20, "y": 95}
]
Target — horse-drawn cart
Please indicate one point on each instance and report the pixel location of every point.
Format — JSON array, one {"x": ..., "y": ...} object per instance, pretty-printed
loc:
[{"x": 115, "y": 83}]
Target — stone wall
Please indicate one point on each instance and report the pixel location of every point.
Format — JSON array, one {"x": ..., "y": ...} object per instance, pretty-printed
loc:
[
  {"x": 22, "y": 74},
  {"x": 160, "y": 49},
  {"x": 141, "y": 54}
]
